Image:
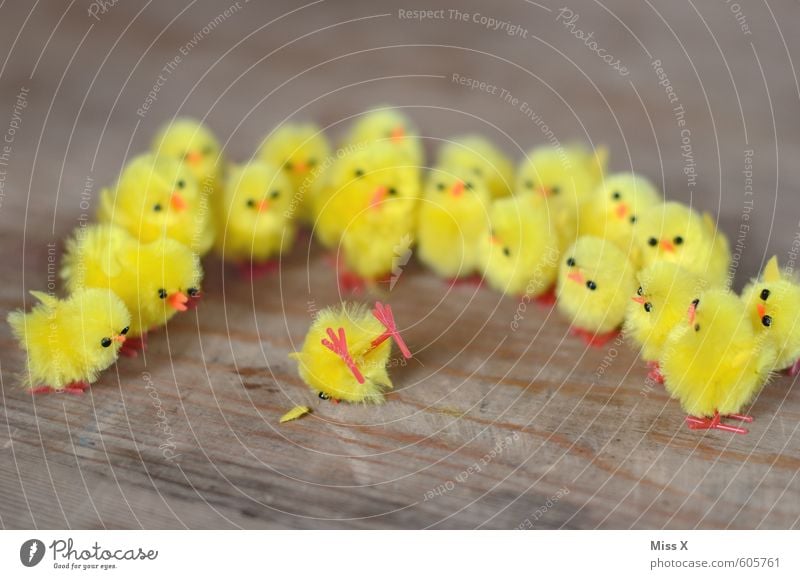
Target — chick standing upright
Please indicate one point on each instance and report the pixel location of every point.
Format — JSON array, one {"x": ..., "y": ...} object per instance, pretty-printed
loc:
[
  {"x": 483, "y": 159},
  {"x": 714, "y": 363},
  {"x": 388, "y": 125},
  {"x": 69, "y": 342}
]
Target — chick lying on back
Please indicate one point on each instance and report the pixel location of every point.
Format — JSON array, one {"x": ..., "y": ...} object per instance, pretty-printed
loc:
[
  {"x": 478, "y": 155},
  {"x": 595, "y": 283},
  {"x": 614, "y": 208},
  {"x": 256, "y": 224},
  {"x": 155, "y": 280},
  {"x": 714, "y": 363},
  {"x": 156, "y": 197},
  {"x": 346, "y": 351},
  {"x": 301, "y": 150},
  {"x": 519, "y": 254},
  {"x": 69, "y": 342},
  {"x": 673, "y": 232},
  {"x": 453, "y": 216},
  {"x": 388, "y": 125},
  {"x": 773, "y": 303}
]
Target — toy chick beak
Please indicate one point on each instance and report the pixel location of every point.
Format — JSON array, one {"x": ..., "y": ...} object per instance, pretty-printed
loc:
[
  {"x": 377, "y": 197},
  {"x": 762, "y": 310},
  {"x": 119, "y": 338},
  {"x": 576, "y": 276},
  {"x": 458, "y": 189},
  {"x": 398, "y": 133},
  {"x": 300, "y": 167},
  {"x": 667, "y": 245},
  {"x": 178, "y": 203},
  {"x": 193, "y": 157},
  {"x": 692, "y": 314},
  {"x": 622, "y": 210},
  {"x": 543, "y": 191},
  {"x": 178, "y": 301},
  {"x": 493, "y": 239},
  {"x": 262, "y": 206},
  {"x": 638, "y": 299}
]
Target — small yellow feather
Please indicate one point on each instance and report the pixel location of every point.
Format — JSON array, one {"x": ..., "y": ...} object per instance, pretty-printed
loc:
[{"x": 295, "y": 413}]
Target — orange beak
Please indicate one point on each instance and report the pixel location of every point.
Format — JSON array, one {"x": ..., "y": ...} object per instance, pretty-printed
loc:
[
  {"x": 638, "y": 299},
  {"x": 576, "y": 276},
  {"x": 378, "y": 196},
  {"x": 622, "y": 210},
  {"x": 178, "y": 203},
  {"x": 193, "y": 157},
  {"x": 494, "y": 240},
  {"x": 178, "y": 301},
  {"x": 300, "y": 167},
  {"x": 119, "y": 338},
  {"x": 458, "y": 189},
  {"x": 762, "y": 310},
  {"x": 398, "y": 133},
  {"x": 262, "y": 206},
  {"x": 543, "y": 191},
  {"x": 667, "y": 245},
  {"x": 692, "y": 314}
]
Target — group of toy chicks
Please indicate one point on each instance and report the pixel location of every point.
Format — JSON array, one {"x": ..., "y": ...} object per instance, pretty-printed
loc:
[{"x": 606, "y": 248}]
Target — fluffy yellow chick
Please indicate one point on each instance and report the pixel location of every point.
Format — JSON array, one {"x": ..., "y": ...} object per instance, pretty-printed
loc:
[
  {"x": 388, "y": 125},
  {"x": 156, "y": 197},
  {"x": 154, "y": 280},
  {"x": 481, "y": 157},
  {"x": 519, "y": 254},
  {"x": 453, "y": 217},
  {"x": 256, "y": 225},
  {"x": 595, "y": 283},
  {"x": 773, "y": 303},
  {"x": 673, "y": 232},
  {"x": 346, "y": 351},
  {"x": 659, "y": 305},
  {"x": 613, "y": 209},
  {"x": 302, "y": 151},
  {"x": 191, "y": 142},
  {"x": 714, "y": 362},
  {"x": 69, "y": 342}
]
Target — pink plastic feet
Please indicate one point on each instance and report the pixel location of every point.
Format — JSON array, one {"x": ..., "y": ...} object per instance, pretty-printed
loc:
[
  {"x": 73, "y": 388},
  {"x": 592, "y": 339},
  {"x": 194, "y": 301},
  {"x": 655, "y": 372},
  {"x": 254, "y": 270},
  {"x": 704, "y": 423},
  {"x": 794, "y": 369},
  {"x": 384, "y": 315},
  {"x": 338, "y": 345},
  {"x": 132, "y": 346},
  {"x": 350, "y": 282},
  {"x": 546, "y": 300}
]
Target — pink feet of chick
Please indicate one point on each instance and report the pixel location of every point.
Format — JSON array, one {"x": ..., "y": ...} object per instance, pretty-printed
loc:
[
  {"x": 592, "y": 339},
  {"x": 73, "y": 388},
  {"x": 715, "y": 423}
]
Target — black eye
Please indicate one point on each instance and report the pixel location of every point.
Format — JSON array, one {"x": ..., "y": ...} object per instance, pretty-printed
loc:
[
  {"x": 323, "y": 396},
  {"x": 506, "y": 252},
  {"x": 359, "y": 173},
  {"x": 105, "y": 342},
  {"x": 697, "y": 327},
  {"x": 616, "y": 195},
  {"x": 162, "y": 293},
  {"x": 696, "y": 302},
  {"x": 571, "y": 261},
  {"x": 440, "y": 186},
  {"x": 125, "y": 330},
  {"x": 181, "y": 184},
  {"x": 767, "y": 321},
  {"x": 555, "y": 190},
  {"x": 468, "y": 186},
  {"x": 193, "y": 291},
  {"x": 529, "y": 184},
  {"x": 157, "y": 207},
  {"x": 633, "y": 219},
  {"x": 764, "y": 294},
  {"x": 275, "y": 194},
  {"x": 652, "y": 241},
  {"x": 251, "y": 203},
  {"x": 392, "y": 191},
  {"x": 591, "y": 285},
  {"x": 648, "y": 307},
  {"x": 678, "y": 240},
  {"x": 639, "y": 291}
]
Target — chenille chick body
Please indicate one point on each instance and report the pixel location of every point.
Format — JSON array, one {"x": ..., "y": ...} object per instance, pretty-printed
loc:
[
  {"x": 773, "y": 303},
  {"x": 483, "y": 159},
  {"x": 157, "y": 197},
  {"x": 388, "y": 125},
  {"x": 69, "y": 342},
  {"x": 453, "y": 218}
]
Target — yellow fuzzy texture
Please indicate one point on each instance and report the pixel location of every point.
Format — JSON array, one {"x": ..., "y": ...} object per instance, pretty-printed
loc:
[
  {"x": 295, "y": 413},
  {"x": 481, "y": 157},
  {"x": 453, "y": 218},
  {"x": 143, "y": 203},
  {"x": 303, "y": 152},
  {"x": 614, "y": 209},
  {"x": 388, "y": 125},
  {"x": 716, "y": 362},
  {"x": 667, "y": 290},
  {"x": 519, "y": 254},
  {"x": 256, "y": 221},
  {"x": 63, "y": 338},
  {"x": 602, "y": 263},
  {"x": 695, "y": 243},
  {"x": 782, "y": 305},
  {"x": 323, "y": 371},
  {"x": 107, "y": 257}
]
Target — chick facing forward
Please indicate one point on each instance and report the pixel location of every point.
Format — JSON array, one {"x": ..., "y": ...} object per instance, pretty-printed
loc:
[
  {"x": 714, "y": 362},
  {"x": 346, "y": 351},
  {"x": 301, "y": 150},
  {"x": 483, "y": 159},
  {"x": 453, "y": 217},
  {"x": 519, "y": 253},
  {"x": 773, "y": 303},
  {"x": 157, "y": 197},
  {"x": 256, "y": 225},
  {"x": 388, "y": 125},
  {"x": 595, "y": 284},
  {"x": 674, "y": 232},
  {"x": 154, "y": 280},
  {"x": 68, "y": 343}
]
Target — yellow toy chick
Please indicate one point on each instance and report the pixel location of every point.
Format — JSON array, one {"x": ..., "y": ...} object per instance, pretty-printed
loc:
[
  {"x": 346, "y": 351},
  {"x": 481, "y": 157},
  {"x": 673, "y": 232},
  {"x": 256, "y": 225},
  {"x": 714, "y": 363},
  {"x": 155, "y": 280},
  {"x": 595, "y": 284},
  {"x": 519, "y": 253},
  {"x": 658, "y": 306},
  {"x": 157, "y": 197},
  {"x": 453, "y": 217},
  {"x": 613, "y": 209},
  {"x": 773, "y": 303},
  {"x": 302, "y": 151},
  {"x": 388, "y": 125},
  {"x": 69, "y": 342}
]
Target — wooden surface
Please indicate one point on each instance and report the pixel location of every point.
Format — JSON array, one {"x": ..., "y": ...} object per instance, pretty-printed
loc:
[{"x": 574, "y": 437}]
